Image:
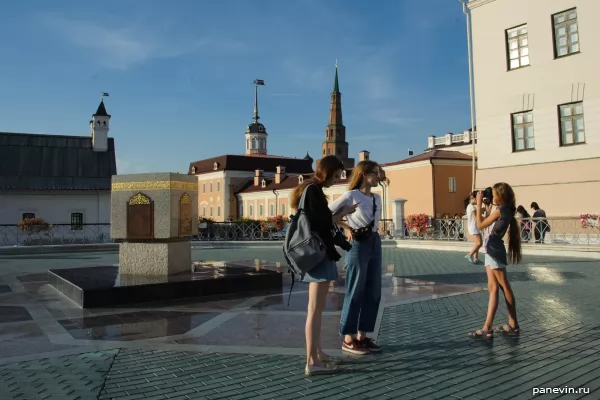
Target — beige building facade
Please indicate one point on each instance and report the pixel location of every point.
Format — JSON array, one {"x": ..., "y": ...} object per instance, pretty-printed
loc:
[{"x": 537, "y": 93}]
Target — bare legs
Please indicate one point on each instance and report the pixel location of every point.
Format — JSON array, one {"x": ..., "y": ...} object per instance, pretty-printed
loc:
[
  {"x": 474, "y": 254},
  {"x": 497, "y": 280},
  {"x": 317, "y": 295}
]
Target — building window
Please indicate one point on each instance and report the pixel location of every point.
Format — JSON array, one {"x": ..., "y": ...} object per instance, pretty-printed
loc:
[
  {"x": 300, "y": 179},
  {"x": 263, "y": 183},
  {"x": 251, "y": 210},
  {"x": 193, "y": 170},
  {"x": 566, "y": 33},
  {"x": 218, "y": 211},
  {"x": 452, "y": 185},
  {"x": 211, "y": 211},
  {"x": 343, "y": 175},
  {"x": 204, "y": 188},
  {"x": 283, "y": 209},
  {"x": 261, "y": 210},
  {"x": 272, "y": 210},
  {"x": 571, "y": 124},
  {"x": 215, "y": 166},
  {"x": 522, "y": 128},
  {"x": 218, "y": 186},
  {"x": 28, "y": 215},
  {"x": 210, "y": 187},
  {"x": 204, "y": 211},
  {"x": 76, "y": 221},
  {"x": 517, "y": 45},
  {"x": 241, "y": 210}
]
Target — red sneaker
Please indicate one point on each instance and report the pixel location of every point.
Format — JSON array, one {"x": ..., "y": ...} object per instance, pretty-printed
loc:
[
  {"x": 354, "y": 347},
  {"x": 369, "y": 344}
]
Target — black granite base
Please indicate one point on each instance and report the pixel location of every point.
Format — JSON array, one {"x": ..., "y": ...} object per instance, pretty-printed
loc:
[{"x": 103, "y": 286}]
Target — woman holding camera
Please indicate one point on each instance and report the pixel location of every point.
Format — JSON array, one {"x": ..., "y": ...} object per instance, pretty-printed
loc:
[
  {"x": 363, "y": 261},
  {"x": 496, "y": 260},
  {"x": 329, "y": 169},
  {"x": 473, "y": 255}
]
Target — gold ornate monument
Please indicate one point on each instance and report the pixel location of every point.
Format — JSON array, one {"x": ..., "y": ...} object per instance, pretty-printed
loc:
[{"x": 154, "y": 216}]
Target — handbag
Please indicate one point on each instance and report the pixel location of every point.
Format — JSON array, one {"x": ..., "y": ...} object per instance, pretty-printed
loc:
[{"x": 365, "y": 232}]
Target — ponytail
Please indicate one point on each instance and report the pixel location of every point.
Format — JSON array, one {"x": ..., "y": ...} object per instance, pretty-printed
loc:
[{"x": 514, "y": 242}]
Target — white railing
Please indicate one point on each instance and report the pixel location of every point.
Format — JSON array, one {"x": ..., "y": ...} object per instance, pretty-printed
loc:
[
  {"x": 535, "y": 231},
  {"x": 439, "y": 141},
  {"x": 458, "y": 138}
]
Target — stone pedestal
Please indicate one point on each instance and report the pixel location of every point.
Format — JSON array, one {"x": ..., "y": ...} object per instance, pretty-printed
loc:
[
  {"x": 398, "y": 217},
  {"x": 154, "y": 215}
]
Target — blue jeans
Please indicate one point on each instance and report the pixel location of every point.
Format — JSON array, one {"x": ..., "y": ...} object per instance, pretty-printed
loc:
[{"x": 363, "y": 286}]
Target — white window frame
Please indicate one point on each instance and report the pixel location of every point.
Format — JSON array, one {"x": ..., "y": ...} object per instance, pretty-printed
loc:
[{"x": 517, "y": 47}]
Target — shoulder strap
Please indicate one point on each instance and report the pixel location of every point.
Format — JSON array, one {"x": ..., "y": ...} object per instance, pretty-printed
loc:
[{"x": 301, "y": 202}]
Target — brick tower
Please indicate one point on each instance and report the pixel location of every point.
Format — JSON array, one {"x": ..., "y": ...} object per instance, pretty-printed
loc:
[{"x": 335, "y": 132}]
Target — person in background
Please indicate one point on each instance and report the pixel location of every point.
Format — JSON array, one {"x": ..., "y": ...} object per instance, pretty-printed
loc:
[
  {"x": 525, "y": 224},
  {"x": 329, "y": 169},
  {"x": 473, "y": 255},
  {"x": 497, "y": 258},
  {"x": 363, "y": 261},
  {"x": 541, "y": 225}
]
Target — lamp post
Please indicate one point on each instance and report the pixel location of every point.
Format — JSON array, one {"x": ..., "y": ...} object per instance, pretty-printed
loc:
[{"x": 471, "y": 94}]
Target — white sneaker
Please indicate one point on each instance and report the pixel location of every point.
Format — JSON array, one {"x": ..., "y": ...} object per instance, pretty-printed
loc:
[{"x": 468, "y": 257}]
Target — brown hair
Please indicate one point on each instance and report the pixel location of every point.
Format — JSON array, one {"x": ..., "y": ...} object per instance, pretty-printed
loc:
[
  {"x": 506, "y": 193},
  {"x": 361, "y": 169},
  {"x": 326, "y": 168}
]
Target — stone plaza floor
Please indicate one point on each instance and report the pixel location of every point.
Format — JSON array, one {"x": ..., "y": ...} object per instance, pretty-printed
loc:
[{"x": 252, "y": 347}]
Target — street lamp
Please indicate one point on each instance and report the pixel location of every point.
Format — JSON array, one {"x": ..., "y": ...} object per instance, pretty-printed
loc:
[{"x": 471, "y": 94}]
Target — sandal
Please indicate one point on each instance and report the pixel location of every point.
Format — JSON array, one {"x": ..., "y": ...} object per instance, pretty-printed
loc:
[
  {"x": 481, "y": 334},
  {"x": 510, "y": 331}
]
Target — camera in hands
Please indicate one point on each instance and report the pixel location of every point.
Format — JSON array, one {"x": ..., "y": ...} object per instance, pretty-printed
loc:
[
  {"x": 340, "y": 240},
  {"x": 488, "y": 195}
]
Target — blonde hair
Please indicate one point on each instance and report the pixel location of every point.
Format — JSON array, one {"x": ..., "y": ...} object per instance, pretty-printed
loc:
[{"x": 361, "y": 169}]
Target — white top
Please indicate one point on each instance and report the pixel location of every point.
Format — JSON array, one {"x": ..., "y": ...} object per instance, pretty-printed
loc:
[
  {"x": 472, "y": 220},
  {"x": 364, "y": 212}
]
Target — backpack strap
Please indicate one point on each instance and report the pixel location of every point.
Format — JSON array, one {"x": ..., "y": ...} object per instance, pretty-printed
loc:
[
  {"x": 303, "y": 198},
  {"x": 291, "y": 287}
]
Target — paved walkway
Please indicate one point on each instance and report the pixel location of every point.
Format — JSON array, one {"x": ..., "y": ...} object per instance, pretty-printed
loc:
[{"x": 250, "y": 348}]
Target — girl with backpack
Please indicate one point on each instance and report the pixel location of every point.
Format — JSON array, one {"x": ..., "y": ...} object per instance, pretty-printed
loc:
[
  {"x": 503, "y": 219},
  {"x": 329, "y": 169},
  {"x": 363, "y": 261}
]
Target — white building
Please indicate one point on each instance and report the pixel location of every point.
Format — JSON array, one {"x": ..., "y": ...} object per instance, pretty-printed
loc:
[
  {"x": 63, "y": 179},
  {"x": 537, "y": 97}
]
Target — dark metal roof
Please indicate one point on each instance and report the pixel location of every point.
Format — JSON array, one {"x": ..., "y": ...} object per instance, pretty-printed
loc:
[
  {"x": 54, "y": 162},
  {"x": 101, "y": 111},
  {"x": 251, "y": 163}
]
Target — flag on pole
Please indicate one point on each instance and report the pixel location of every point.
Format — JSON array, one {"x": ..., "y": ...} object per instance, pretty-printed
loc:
[
  {"x": 259, "y": 82},
  {"x": 104, "y": 94}
]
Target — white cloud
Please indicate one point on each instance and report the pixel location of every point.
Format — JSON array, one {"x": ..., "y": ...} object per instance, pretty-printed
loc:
[{"x": 120, "y": 47}]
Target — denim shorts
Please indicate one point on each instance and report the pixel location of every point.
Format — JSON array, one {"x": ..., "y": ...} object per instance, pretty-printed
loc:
[
  {"x": 325, "y": 271},
  {"x": 493, "y": 264}
]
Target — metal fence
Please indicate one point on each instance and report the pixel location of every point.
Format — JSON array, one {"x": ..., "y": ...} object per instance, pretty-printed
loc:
[
  {"x": 55, "y": 234},
  {"x": 557, "y": 231}
]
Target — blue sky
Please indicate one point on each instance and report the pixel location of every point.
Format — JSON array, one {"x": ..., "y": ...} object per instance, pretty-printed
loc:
[{"x": 179, "y": 74}]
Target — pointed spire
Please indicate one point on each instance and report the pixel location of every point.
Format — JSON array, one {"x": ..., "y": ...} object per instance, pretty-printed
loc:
[
  {"x": 256, "y": 117},
  {"x": 336, "y": 86},
  {"x": 101, "y": 111}
]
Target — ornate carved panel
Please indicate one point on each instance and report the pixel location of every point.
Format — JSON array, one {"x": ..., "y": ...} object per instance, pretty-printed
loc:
[
  {"x": 185, "y": 216},
  {"x": 140, "y": 217}
]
